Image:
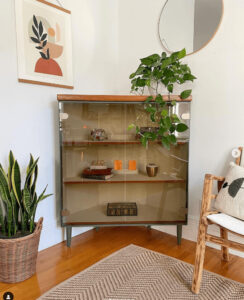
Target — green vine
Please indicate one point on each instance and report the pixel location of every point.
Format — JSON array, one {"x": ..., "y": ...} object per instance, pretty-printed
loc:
[{"x": 154, "y": 71}]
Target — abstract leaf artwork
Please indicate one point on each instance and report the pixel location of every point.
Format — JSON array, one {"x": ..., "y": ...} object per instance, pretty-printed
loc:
[{"x": 44, "y": 43}]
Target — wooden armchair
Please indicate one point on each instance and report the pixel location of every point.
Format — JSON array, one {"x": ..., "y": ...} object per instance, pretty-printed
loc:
[{"x": 226, "y": 224}]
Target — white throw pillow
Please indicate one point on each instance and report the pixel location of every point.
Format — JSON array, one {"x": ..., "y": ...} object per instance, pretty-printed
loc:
[{"x": 230, "y": 199}]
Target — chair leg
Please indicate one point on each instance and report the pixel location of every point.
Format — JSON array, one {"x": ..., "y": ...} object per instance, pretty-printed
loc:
[
  {"x": 224, "y": 250},
  {"x": 199, "y": 260}
]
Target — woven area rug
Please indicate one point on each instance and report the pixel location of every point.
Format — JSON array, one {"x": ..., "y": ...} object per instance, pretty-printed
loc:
[{"x": 137, "y": 273}]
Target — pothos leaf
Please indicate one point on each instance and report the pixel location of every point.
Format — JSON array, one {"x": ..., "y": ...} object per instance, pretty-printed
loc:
[
  {"x": 144, "y": 141},
  {"x": 165, "y": 142},
  {"x": 172, "y": 139},
  {"x": 131, "y": 126},
  {"x": 185, "y": 94},
  {"x": 181, "y": 127}
]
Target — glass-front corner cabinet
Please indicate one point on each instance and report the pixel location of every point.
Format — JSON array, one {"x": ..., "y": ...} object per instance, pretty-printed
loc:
[{"x": 108, "y": 177}]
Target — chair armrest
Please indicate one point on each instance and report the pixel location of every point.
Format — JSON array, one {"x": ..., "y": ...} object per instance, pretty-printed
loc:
[
  {"x": 214, "y": 177},
  {"x": 207, "y": 195},
  {"x": 220, "y": 179}
]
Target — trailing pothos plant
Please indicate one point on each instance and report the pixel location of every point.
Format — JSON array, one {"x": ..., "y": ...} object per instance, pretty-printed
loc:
[
  {"x": 18, "y": 205},
  {"x": 153, "y": 72}
]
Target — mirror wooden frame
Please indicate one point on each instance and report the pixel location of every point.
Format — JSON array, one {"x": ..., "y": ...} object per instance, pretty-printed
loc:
[{"x": 204, "y": 45}]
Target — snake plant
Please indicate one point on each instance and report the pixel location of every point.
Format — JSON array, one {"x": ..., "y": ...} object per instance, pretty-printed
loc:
[{"x": 18, "y": 202}]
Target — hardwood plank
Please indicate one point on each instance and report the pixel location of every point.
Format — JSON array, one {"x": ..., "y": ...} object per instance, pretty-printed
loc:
[
  {"x": 58, "y": 263},
  {"x": 115, "y": 98}
]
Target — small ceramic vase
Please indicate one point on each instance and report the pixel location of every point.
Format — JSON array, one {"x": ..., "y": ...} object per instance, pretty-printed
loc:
[{"x": 152, "y": 170}]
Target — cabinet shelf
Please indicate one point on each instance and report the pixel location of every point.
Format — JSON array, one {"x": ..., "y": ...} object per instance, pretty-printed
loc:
[
  {"x": 138, "y": 178},
  {"x": 147, "y": 214},
  {"x": 112, "y": 142}
]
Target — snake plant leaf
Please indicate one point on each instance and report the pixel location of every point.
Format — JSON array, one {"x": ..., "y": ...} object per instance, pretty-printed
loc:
[
  {"x": 16, "y": 182},
  {"x": 2, "y": 223},
  {"x": 30, "y": 172},
  {"x": 9, "y": 218},
  {"x": 15, "y": 208},
  {"x": 27, "y": 200},
  {"x": 33, "y": 187},
  {"x": 4, "y": 188},
  {"x": 43, "y": 196},
  {"x": 11, "y": 160},
  {"x": 28, "y": 169}
]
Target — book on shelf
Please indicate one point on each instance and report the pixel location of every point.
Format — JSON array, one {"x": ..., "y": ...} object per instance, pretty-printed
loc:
[
  {"x": 89, "y": 171},
  {"x": 98, "y": 177}
]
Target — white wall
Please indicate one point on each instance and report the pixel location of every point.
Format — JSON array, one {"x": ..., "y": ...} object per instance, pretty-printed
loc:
[
  {"x": 29, "y": 114},
  {"x": 217, "y": 108},
  {"x": 109, "y": 37}
]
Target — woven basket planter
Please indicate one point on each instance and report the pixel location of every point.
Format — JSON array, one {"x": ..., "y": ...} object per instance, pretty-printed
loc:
[{"x": 18, "y": 256}]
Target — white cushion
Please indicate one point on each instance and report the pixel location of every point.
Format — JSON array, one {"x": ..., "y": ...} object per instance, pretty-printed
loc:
[
  {"x": 230, "y": 199},
  {"x": 228, "y": 222}
]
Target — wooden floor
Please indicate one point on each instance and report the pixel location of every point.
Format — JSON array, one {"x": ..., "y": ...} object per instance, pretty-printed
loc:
[{"x": 58, "y": 263}]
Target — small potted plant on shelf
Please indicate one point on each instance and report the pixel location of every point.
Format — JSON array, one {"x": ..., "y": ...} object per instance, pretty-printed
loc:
[
  {"x": 19, "y": 234},
  {"x": 154, "y": 72}
]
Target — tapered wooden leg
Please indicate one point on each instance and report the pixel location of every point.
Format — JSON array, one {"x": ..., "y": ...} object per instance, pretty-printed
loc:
[
  {"x": 224, "y": 250},
  {"x": 179, "y": 234},
  {"x": 199, "y": 260},
  {"x": 68, "y": 235}
]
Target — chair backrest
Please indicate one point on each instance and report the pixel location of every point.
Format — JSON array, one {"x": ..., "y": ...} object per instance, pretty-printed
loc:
[{"x": 240, "y": 159}]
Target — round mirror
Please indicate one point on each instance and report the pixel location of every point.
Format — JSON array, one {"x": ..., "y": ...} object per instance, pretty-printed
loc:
[{"x": 189, "y": 24}]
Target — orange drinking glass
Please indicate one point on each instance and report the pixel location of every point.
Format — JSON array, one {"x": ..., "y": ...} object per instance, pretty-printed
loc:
[
  {"x": 132, "y": 165},
  {"x": 118, "y": 164}
]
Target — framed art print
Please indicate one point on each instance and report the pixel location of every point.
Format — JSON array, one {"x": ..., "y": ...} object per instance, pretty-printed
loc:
[{"x": 44, "y": 43}]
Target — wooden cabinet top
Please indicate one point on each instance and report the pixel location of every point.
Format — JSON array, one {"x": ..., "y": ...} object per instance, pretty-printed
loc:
[{"x": 115, "y": 98}]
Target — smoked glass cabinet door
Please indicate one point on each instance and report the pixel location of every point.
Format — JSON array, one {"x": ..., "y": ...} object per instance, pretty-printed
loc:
[{"x": 160, "y": 199}]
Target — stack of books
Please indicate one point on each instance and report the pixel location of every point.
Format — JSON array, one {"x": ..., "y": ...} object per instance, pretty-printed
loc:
[{"x": 98, "y": 174}]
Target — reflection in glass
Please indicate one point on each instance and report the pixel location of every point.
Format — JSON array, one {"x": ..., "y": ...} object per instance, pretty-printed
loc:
[{"x": 189, "y": 24}]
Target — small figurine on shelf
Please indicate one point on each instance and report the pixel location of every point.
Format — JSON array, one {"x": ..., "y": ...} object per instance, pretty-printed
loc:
[{"x": 98, "y": 134}]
